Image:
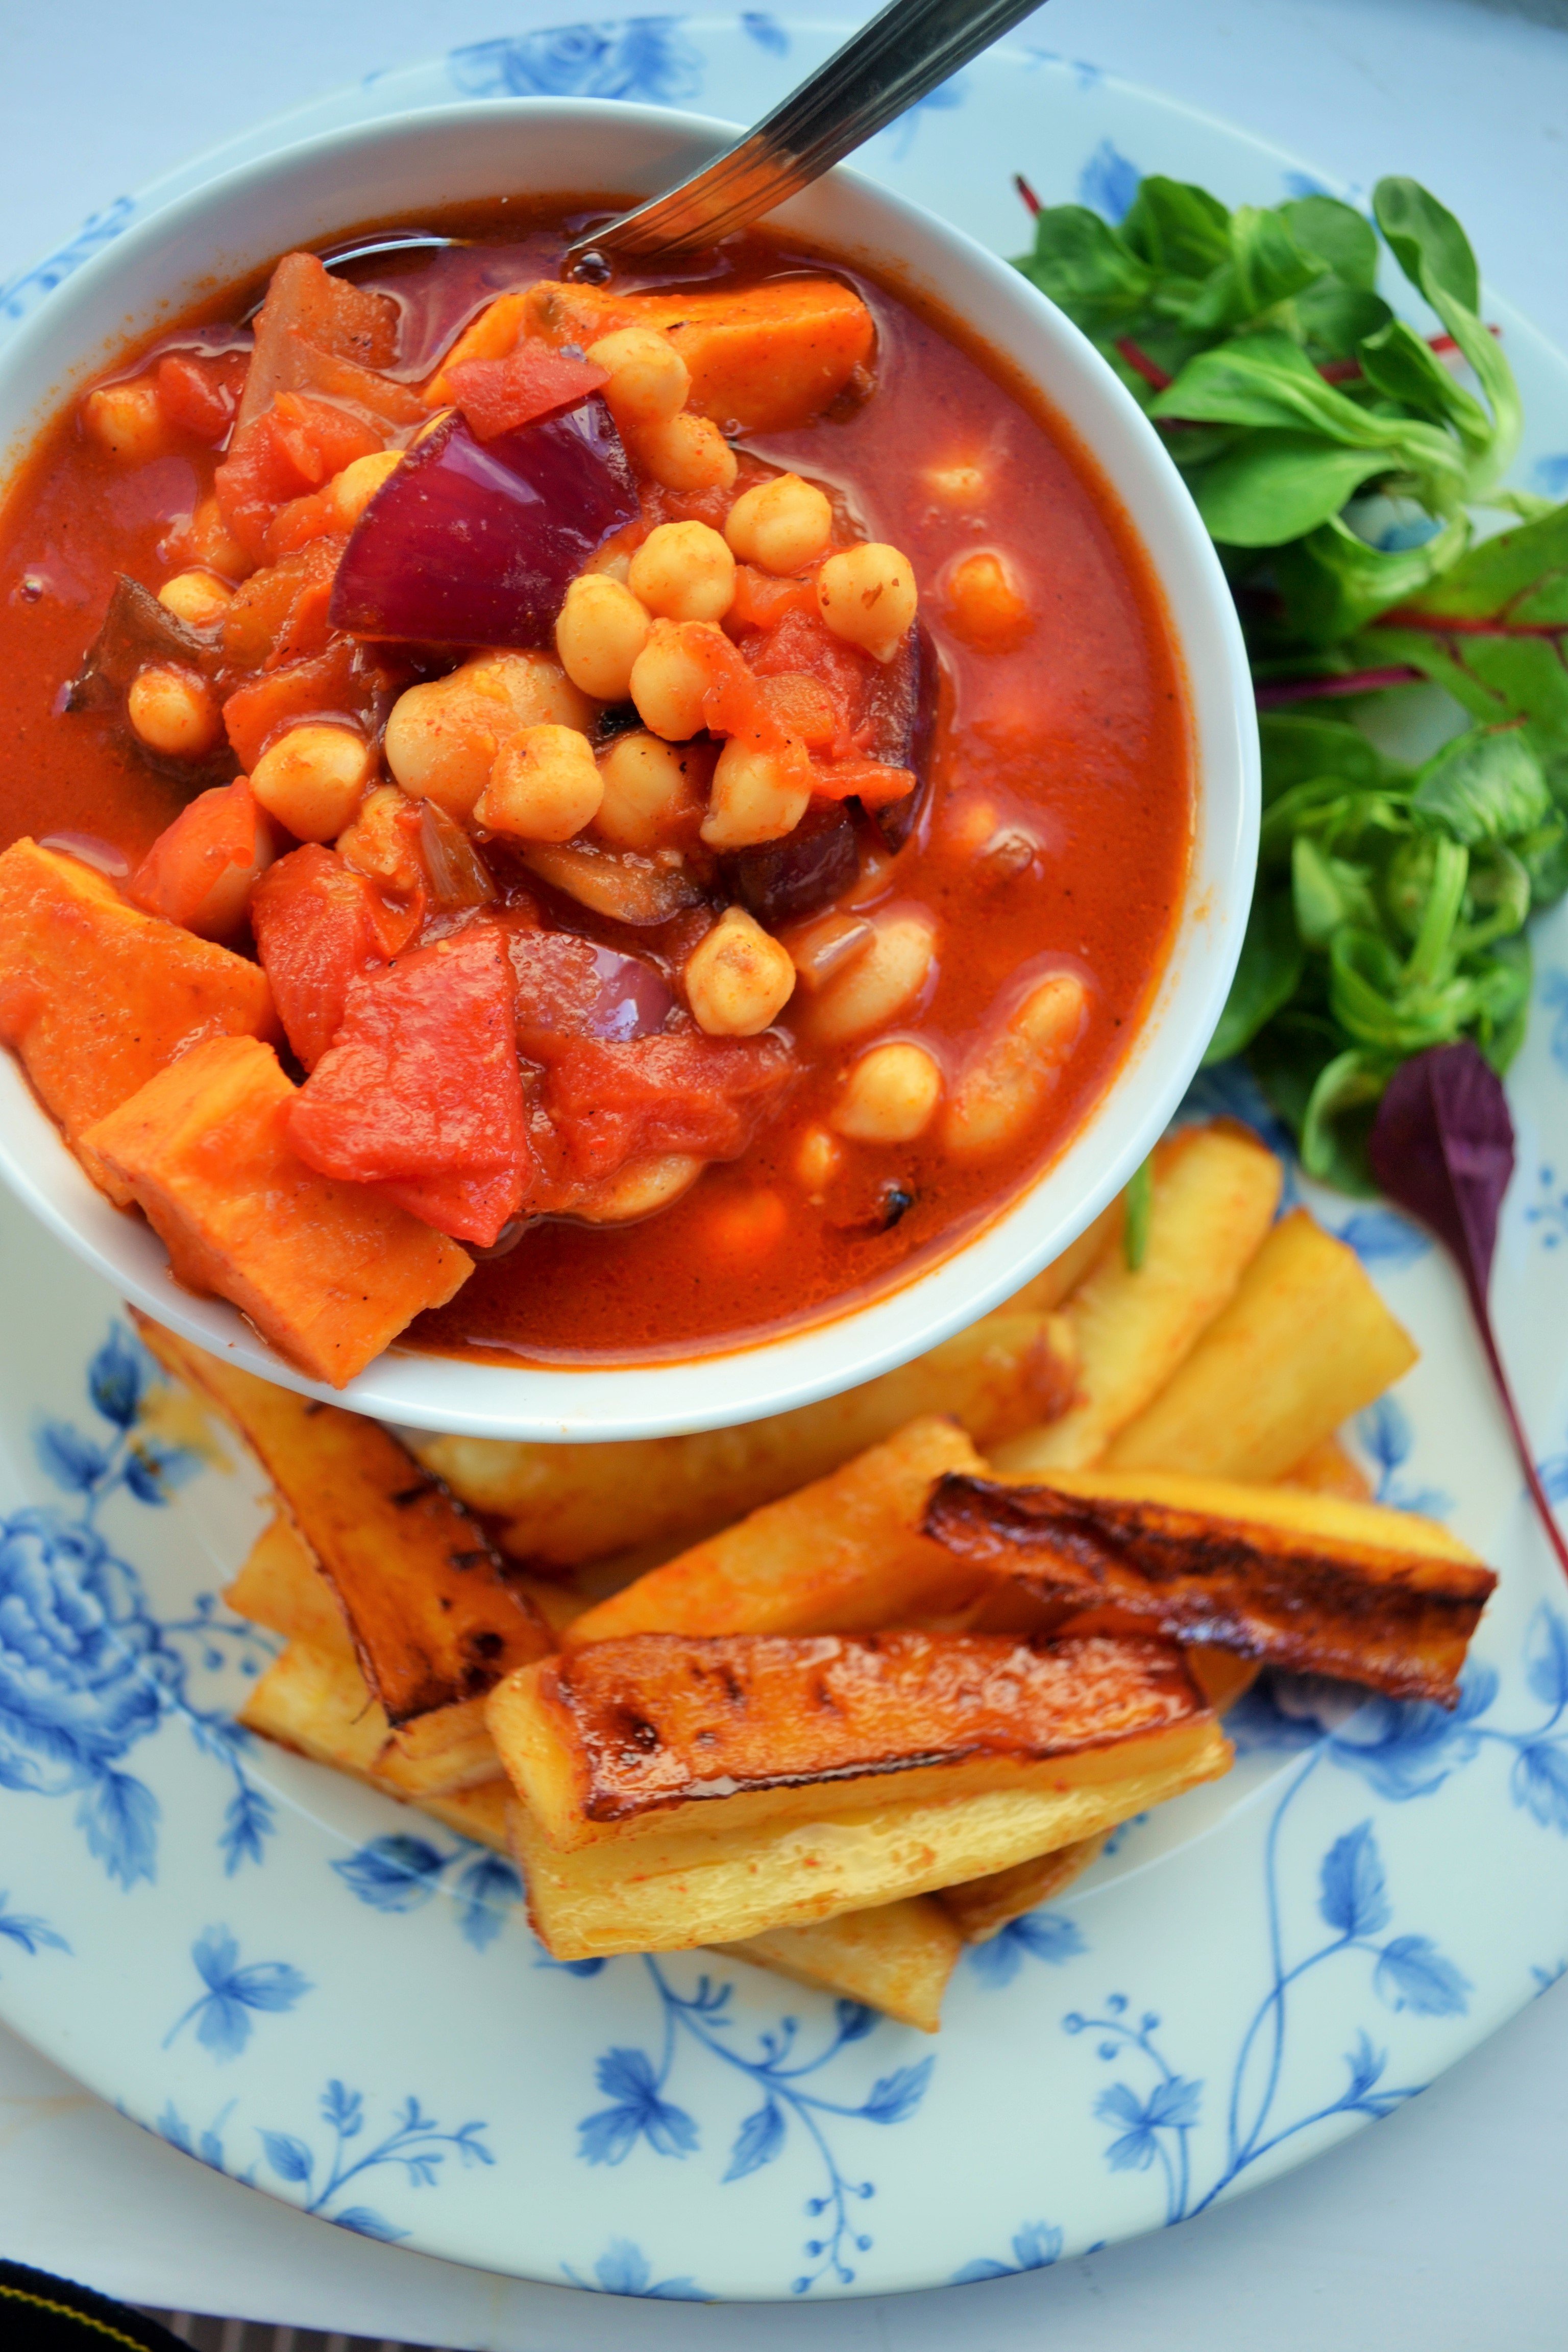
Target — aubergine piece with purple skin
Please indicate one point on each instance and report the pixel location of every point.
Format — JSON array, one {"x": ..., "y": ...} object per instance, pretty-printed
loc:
[
  {"x": 901, "y": 705},
  {"x": 784, "y": 881},
  {"x": 475, "y": 542}
]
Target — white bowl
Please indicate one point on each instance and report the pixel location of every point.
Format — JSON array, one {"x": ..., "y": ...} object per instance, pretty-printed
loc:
[{"x": 449, "y": 154}]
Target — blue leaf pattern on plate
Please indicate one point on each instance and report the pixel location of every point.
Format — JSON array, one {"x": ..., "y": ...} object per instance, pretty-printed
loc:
[
  {"x": 644, "y": 57},
  {"x": 19, "y": 294},
  {"x": 1036, "y": 2247},
  {"x": 234, "y": 1992},
  {"x": 1108, "y": 182},
  {"x": 624, "y": 2269},
  {"x": 1048, "y": 1936},
  {"x": 400, "y": 1873},
  {"x": 1385, "y": 1436},
  {"x": 28, "y": 1932}
]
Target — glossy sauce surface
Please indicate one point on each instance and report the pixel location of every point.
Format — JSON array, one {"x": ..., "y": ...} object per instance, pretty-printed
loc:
[{"x": 1057, "y": 834}]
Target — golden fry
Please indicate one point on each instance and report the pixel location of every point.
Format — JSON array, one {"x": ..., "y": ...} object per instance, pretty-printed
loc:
[
  {"x": 897, "y": 1958},
  {"x": 1305, "y": 1343},
  {"x": 842, "y": 1556},
  {"x": 982, "y": 1908},
  {"x": 1215, "y": 1192},
  {"x": 570, "y": 1504},
  {"x": 280, "y": 1586}
]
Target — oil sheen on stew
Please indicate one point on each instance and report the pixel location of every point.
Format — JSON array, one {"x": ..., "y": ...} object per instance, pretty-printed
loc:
[{"x": 907, "y": 895}]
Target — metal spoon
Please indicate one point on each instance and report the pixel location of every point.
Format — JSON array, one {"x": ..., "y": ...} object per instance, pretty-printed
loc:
[{"x": 893, "y": 62}]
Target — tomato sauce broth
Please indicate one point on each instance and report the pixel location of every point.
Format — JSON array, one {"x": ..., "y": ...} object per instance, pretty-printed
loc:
[{"x": 1057, "y": 833}]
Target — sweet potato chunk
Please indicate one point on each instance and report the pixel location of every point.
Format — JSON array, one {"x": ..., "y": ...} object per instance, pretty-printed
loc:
[
  {"x": 615, "y": 1741},
  {"x": 842, "y": 1556},
  {"x": 328, "y": 1273},
  {"x": 568, "y": 1503},
  {"x": 97, "y": 997},
  {"x": 767, "y": 358},
  {"x": 1299, "y": 1579},
  {"x": 674, "y": 1886},
  {"x": 433, "y": 1617}
]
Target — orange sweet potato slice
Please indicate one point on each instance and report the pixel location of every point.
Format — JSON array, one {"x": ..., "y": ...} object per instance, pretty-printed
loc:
[
  {"x": 98, "y": 995},
  {"x": 328, "y": 1273},
  {"x": 767, "y": 358}
]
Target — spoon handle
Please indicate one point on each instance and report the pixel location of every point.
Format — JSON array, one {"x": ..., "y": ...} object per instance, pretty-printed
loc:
[{"x": 893, "y": 62}]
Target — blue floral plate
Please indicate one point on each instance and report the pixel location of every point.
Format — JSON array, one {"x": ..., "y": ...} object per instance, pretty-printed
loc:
[{"x": 326, "y": 1997}]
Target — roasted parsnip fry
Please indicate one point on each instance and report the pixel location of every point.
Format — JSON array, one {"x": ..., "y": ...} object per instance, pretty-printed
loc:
[
  {"x": 683, "y": 1887},
  {"x": 841, "y": 1556},
  {"x": 1214, "y": 1192},
  {"x": 434, "y": 1618},
  {"x": 1222, "y": 1675},
  {"x": 1305, "y": 1342},
  {"x": 897, "y": 1958},
  {"x": 280, "y": 1586},
  {"x": 569, "y": 1504},
  {"x": 982, "y": 1908},
  {"x": 609, "y": 1743},
  {"x": 1291, "y": 1577},
  {"x": 1327, "y": 1469}
]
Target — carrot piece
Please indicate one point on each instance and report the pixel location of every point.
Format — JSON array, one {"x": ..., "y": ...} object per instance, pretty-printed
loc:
[
  {"x": 97, "y": 996},
  {"x": 768, "y": 358},
  {"x": 202, "y": 869},
  {"x": 490, "y": 336},
  {"x": 328, "y": 1273},
  {"x": 422, "y": 1087},
  {"x": 870, "y": 781},
  {"x": 499, "y": 395}
]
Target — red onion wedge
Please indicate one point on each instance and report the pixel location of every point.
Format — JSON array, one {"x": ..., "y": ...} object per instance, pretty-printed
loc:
[{"x": 474, "y": 544}]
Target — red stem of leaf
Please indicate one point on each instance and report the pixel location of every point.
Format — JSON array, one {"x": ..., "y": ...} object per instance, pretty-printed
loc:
[
  {"x": 1537, "y": 1494},
  {"x": 1320, "y": 689},
  {"x": 1139, "y": 362},
  {"x": 1031, "y": 201},
  {"x": 1451, "y": 625}
]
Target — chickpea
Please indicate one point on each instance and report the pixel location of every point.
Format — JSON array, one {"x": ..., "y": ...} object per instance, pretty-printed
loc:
[
  {"x": 817, "y": 1160},
  {"x": 1006, "y": 1083},
  {"x": 985, "y": 606},
  {"x": 210, "y": 541},
  {"x": 314, "y": 778},
  {"x": 758, "y": 795},
  {"x": 600, "y": 633},
  {"x": 196, "y": 598},
  {"x": 747, "y": 1225},
  {"x": 688, "y": 453},
  {"x": 127, "y": 420},
  {"x": 670, "y": 680},
  {"x": 174, "y": 711},
  {"x": 781, "y": 526},
  {"x": 890, "y": 1096},
  {"x": 611, "y": 561},
  {"x": 649, "y": 381},
  {"x": 351, "y": 490},
  {"x": 380, "y": 842},
  {"x": 641, "y": 1188},
  {"x": 442, "y": 737},
  {"x": 866, "y": 596},
  {"x": 738, "y": 980},
  {"x": 544, "y": 786},
  {"x": 684, "y": 572},
  {"x": 653, "y": 790},
  {"x": 884, "y": 980}
]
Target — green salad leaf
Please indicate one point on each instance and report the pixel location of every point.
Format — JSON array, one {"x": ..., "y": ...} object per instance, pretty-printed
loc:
[{"x": 1345, "y": 458}]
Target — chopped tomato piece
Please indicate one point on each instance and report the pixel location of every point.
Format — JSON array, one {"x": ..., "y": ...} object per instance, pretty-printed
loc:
[
  {"x": 423, "y": 1082},
  {"x": 202, "y": 870},
  {"x": 473, "y": 1208},
  {"x": 498, "y": 395},
  {"x": 675, "y": 1091},
  {"x": 331, "y": 685},
  {"x": 264, "y": 616},
  {"x": 761, "y": 601},
  {"x": 870, "y": 781},
  {"x": 296, "y": 445},
  {"x": 200, "y": 394},
  {"x": 319, "y": 927},
  {"x": 803, "y": 705}
]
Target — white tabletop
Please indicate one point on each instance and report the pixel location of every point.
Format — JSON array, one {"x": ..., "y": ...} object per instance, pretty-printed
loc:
[{"x": 1439, "y": 2230}]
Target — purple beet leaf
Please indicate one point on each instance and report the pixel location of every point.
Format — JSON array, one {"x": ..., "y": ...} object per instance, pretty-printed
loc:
[
  {"x": 1442, "y": 1146},
  {"x": 474, "y": 543}
]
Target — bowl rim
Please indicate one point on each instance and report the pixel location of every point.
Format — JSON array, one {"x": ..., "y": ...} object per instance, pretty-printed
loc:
[{"x": 801, "y": 1364}]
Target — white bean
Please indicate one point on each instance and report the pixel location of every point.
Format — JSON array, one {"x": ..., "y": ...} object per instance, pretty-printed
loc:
[
  {"x": 684, "y": 572},
  {"x": 312, "y": 778},
  {"x": 641, "y": 1188},
  {"x": 1007, "y": 1081},
  {"x": 601, "y": 630},
  {"x": 758, "y": 795},
  {"x": 882, "y": 982},
  {"x": 889, "y": 1096},
  {"x": 738, "y": 980},
  {"x": 866, "y": 596}
]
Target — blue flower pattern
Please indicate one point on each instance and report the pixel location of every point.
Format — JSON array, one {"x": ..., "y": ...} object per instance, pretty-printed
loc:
[
  {"x": 1036, "y": 2247},
  {"x": 234, "y": 1994},
  {"x": 1385, "y": 1437},
  {"x": 28, "y": 1932},
  {"x": 86, "y": 1669},
  {"x": 20, "y": 294},
  {"x": 1047, "y": 1936},
  {"x": 416, "y": 2144},
  {"x": 624, "y": 2269},
  {"x": 637, "y": 58},
  {"x": 400, "y": 1873},
  {"x": 1108, "y": 183}
]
